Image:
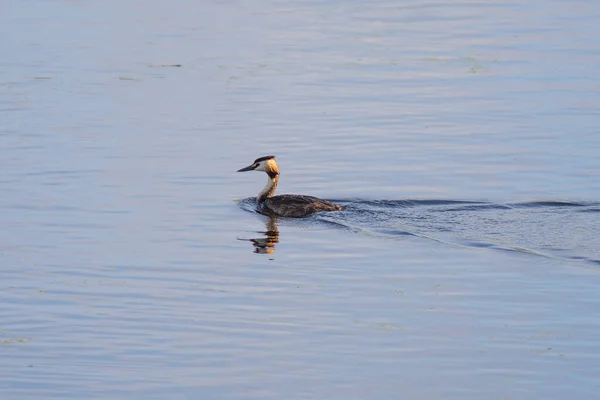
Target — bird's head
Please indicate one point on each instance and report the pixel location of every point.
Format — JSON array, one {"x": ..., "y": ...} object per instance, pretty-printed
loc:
[{"x": 266, "y": 164}]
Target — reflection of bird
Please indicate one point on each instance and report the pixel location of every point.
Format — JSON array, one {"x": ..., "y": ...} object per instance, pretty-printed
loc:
[
  {"x": 286, "y": 205},
  {"x": 267, "y": 244}
]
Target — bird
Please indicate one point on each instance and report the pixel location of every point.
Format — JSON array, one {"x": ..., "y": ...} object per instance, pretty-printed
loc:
[{"x": 285, "y": 205}]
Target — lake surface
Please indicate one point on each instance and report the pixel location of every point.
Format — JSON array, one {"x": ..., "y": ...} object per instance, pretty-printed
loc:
[{"x": 462, "y": 137}]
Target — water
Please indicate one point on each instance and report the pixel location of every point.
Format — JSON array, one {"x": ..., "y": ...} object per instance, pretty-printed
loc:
[
  {"x": 563, "y": 230},
  {"x": 461, "y": 137}
]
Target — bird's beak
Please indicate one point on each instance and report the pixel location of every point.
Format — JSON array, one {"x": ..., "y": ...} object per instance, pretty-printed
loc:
[{"x": 248, "y": 168}]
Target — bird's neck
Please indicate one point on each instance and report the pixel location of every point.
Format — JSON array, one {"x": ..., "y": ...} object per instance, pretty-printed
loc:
[{"x": 269, "y": 189}]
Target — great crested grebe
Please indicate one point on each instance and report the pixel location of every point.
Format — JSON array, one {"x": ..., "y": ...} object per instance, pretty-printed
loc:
[{"x": 285, "y": 205}]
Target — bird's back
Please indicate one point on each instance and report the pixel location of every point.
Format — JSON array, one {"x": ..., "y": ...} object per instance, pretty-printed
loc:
[{"x": 296, "y": 206}]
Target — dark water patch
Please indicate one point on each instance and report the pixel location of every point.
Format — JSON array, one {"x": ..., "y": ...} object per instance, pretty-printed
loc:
[
  {"x": 590, "y": 210},
  {"x": 441, "y": 202},
  {"x": 387, "y": 203},
  {"x": 401, "y": 203},
  {"x": 412, "y": 203},
  {"x": 165, "y": 65},
  {"x": 548, "y": 204},
  {"x": 477, "y": 207},
  {"x": 490, "y": 246},
  {"x": 364, "y": 203},
  {"x": 479, "y": 244},
  {"x": 520, "y": 250},
  {"x": 337, "y": 223},
  {"x": 395, "y": 232}
]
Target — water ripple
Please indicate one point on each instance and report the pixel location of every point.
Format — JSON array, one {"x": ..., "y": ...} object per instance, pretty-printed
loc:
[{"x": 542, "y": 228}]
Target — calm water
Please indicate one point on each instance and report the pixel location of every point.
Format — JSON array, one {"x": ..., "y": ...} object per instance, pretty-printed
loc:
[{"x": 461, "y": 136}]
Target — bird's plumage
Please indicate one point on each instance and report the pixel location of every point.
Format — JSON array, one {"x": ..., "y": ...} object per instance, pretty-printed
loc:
[{"x": 296, "y": 205}]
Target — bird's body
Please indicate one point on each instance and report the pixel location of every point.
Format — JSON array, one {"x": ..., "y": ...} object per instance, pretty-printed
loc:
[
  {"x": 296, "y": 205},
  {"x": 285, "y": 205}
]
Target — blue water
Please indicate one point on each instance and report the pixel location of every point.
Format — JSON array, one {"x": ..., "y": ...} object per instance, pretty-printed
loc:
[{"x": 461, "y": 137}]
